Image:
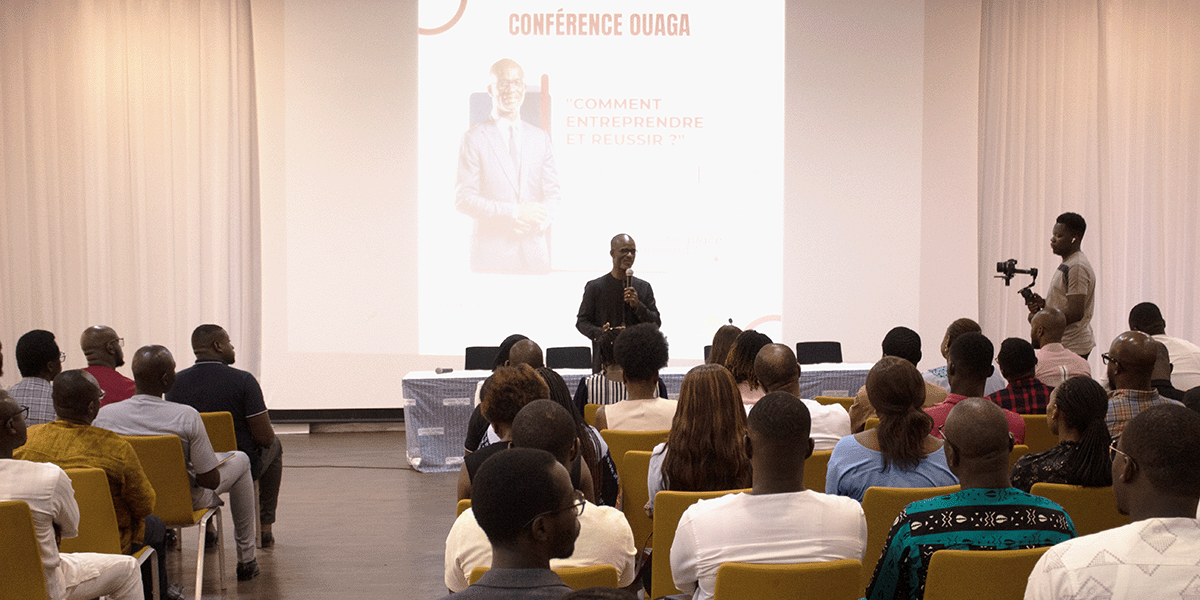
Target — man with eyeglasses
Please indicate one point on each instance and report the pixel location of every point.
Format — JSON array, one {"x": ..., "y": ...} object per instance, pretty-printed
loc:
[
  {"x": 1156, "y": 481},
  {"x": 988, "y": 514},
  {"x": 524, "y": 502},
  {"x": 604, "y": 534},
  {"x": 1130, "y": 363},
  {"x": 507, "y": 182},
  {"x": 616, "y": 299},
  {"x": 39, "y": 361},
  {"x": 103, "y": 349}
]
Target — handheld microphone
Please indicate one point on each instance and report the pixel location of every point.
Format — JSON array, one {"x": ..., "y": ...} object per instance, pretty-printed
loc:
[{"x": 629, "y": 277}]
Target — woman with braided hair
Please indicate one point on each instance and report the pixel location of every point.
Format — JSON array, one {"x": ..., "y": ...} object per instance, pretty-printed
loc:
[{"x": 1075, "y": 414}]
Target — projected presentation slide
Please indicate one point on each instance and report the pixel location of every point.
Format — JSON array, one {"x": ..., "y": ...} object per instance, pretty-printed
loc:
[{"x": 543, "y": 133}]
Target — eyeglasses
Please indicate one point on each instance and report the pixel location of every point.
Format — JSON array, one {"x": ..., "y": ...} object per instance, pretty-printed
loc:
[
  {"x": 23, "y": 413},
  {"x": 120, "y": 342},
  {"x": 1107, "y": 358},
  {"x": 576, "y": 506},
  {"x": 62, "y": 357},
  {"x": 1113, "y": 452}
]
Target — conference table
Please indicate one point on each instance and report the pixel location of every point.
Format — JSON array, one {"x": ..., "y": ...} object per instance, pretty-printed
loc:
[{"x": 437, "y": 406}]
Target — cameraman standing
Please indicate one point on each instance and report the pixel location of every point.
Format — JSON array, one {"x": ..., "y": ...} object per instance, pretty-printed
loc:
[{"x": 1073, "y": 286}]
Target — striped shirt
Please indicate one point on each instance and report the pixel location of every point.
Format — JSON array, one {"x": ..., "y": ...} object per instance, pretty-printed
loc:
[{"x": 1056, "y": 364}]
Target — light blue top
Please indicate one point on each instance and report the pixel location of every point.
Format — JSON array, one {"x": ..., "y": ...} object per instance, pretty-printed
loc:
[
  {"x": 654, "y": 477},
  {"x": 853, "y": 468}
]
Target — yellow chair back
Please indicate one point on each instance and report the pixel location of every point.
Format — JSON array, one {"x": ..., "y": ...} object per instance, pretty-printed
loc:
[
  {"x": 668, "y": 508},
  {"x": 463, "y": 505},
  {"x": 1017, "y": 452},
  {"x": 577, "y": 578},
  {"x": 980, "y": 574},
  {"x": 1092, "y": 509},
  {"x": 839, "y": 400},
  {"x": 833, "y": 580},
  {"x": 882, "y": 505},
  {"x": 1037, "y": 433},
  {"x": 619, "y": 442},
  {"x": 589, "y": 413},
  {"x": 872, "y": 423},
  {"x": 162, "y": 460},
  {"x": 20, "y": 557},
  {"x": 814, "y": 470},
  {"x": 98, "y": 529},
  {"x": 221, "y": 434},
  {"x": 635, "y": 495}
]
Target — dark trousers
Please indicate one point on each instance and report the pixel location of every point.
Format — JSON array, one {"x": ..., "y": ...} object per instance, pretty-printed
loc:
[
  {"x": 269, "y": 480},
  {"x": 156, "y": 537}
]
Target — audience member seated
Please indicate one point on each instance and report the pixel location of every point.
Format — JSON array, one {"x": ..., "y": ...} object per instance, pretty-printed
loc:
[
  {"x": 899, "y": 452},
  {"x": 988, "y": 514},
  {"x": 47, "y": 490},
  {"x": 705, "y": 449},
  {"x": 604, "y": 534},
  {"x": 1185, "y": 356},
  {"x": 505, "y": 393},
  {"x": 722, "y": 341},
  {"x": 740, "y": 363},
  {"x": 1130, "y": 362},
  {"x": 1156, "y": 481},
  {"x": 776, "y": 369},
  {"x": 524, "y": 502},
  {"x": 72, "y": 441},
  {"x": 1055, "y": 364},
  {"x": 968, "y": 367},
  {"x": 1160, "y": 378},
  {"x": 146, "y": 413},
  {"x": 779, "y": 521},
  {"x": 1025, "y": 394},
  {"x": 102, "y": 348},
  {"x": 1076, "y": 415},
  {"x": 607, "y": 386},
  {"x": 904, "y": 343},
  {"x": 592, "y": 448},
  {"x": 479, "y": 433},
  {"x": 642, "y": 352},
  {"x": 1192, "y": 399},
  {"x": 39, "y": 361},
  {"x": 213, "y": 385},
  {"x": 939, "y": 377}
]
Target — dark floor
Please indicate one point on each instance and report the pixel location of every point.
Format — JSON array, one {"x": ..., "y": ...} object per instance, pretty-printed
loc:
[{"x": 354, "y": 521}]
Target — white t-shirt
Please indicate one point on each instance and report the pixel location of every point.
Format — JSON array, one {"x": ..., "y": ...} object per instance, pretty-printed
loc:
[
  {"x": 830, "y": 423},
  {"x": 787, "y": 528},
  {"x": 1152, "y": 558},
  {"x": 604, "y": 539},
  {"x": 1185, "y": 360}
]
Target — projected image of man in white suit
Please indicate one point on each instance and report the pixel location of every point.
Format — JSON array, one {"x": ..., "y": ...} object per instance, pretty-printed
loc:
[{"x": 507, "y": 182}]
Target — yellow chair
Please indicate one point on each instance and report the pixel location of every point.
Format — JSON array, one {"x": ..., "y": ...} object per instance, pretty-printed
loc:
[
  {"x": 814, "y": 470},
  {"x": 882, "y": 505},
  {"x": 668, "y": 508},
  {"x": 221, "y": 434},
  {"x": 589, "y": 413},
  {"x": 619, "y": 442},
  {"x": 20, "y": 557},
  {"x": 162, "y": 460},
  {"x": 463, "y": 505},
  {"x": 828, "y": 400},
  {"x": 833, "y": 580},
  {"x": 1017, "y": 452},
  {"x": 98, "y": 529},
  {"x": 635, "y": 495},
  {"x": 872, "y": 423},
  {"x": 576, "y": 578},
  {"x": 980, "y": 574},
  {"x": 1037, "y": 433},
  {"x": 1092, "y": 509}
]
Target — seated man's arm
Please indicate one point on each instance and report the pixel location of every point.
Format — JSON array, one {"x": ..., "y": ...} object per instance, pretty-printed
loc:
[
  {"x": 66, "y": 510},
  {"x": 261, "y": 430}
]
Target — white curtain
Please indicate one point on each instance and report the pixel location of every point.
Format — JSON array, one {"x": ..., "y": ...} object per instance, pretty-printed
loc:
[
  {"x": 129, "y": 172},
  {"x": 1092, "y": 107}
]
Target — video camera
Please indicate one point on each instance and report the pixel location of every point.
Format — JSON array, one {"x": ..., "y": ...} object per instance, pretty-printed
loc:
[{"x": 1008, "y": 269}]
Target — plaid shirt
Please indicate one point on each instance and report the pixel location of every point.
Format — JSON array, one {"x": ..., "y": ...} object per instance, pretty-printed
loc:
[
  {"x": 34, "y": 392},
  {"x": 1124, "y": 405},
  {"x": 1024, "y": 396}
]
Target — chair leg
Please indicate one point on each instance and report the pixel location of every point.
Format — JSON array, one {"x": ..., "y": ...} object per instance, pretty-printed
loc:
[
  {"x": 200, "y": 559},
  {"x": 220, "y": 547},
  {"x": 154, "y": 578}
]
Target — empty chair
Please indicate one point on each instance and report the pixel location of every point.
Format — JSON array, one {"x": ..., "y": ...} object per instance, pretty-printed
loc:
[
  {"x": 569, "y": 357},
  {"x": 668, "y": 508},
  {"x": 1092, "y": 509},
  {"x": 810, "y": 353},
  {"x": 980, "y": 574},
  {"x": 162, "y": 460},
  {"x": 480, "y": 358},
  {"x": 20, "y": 558},
  {"x": 882, "y": 505},
  {"x": 1037, "y": 434},
  {"x": 833, "y": 580},
  {"x": 219, "y": 427}
]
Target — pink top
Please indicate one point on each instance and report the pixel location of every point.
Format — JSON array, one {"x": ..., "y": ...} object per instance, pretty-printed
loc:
[
  {"x": 1056, "y": 364},
  {"x": 939, "y": 412}
]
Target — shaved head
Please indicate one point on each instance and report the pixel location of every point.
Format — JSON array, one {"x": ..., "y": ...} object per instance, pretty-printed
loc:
[
  {"x": 102, "y": 346},
  {"x": 1131, "y": 361},
  {"x": 153, "y": 370},
  {"x": 526, "y": 352},
  {"x": 979, "y": 432},
  {"x": 1047, "y": 327},
  {"x": 776, "y": 369},
  {"x": 74, "y": 393}
]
